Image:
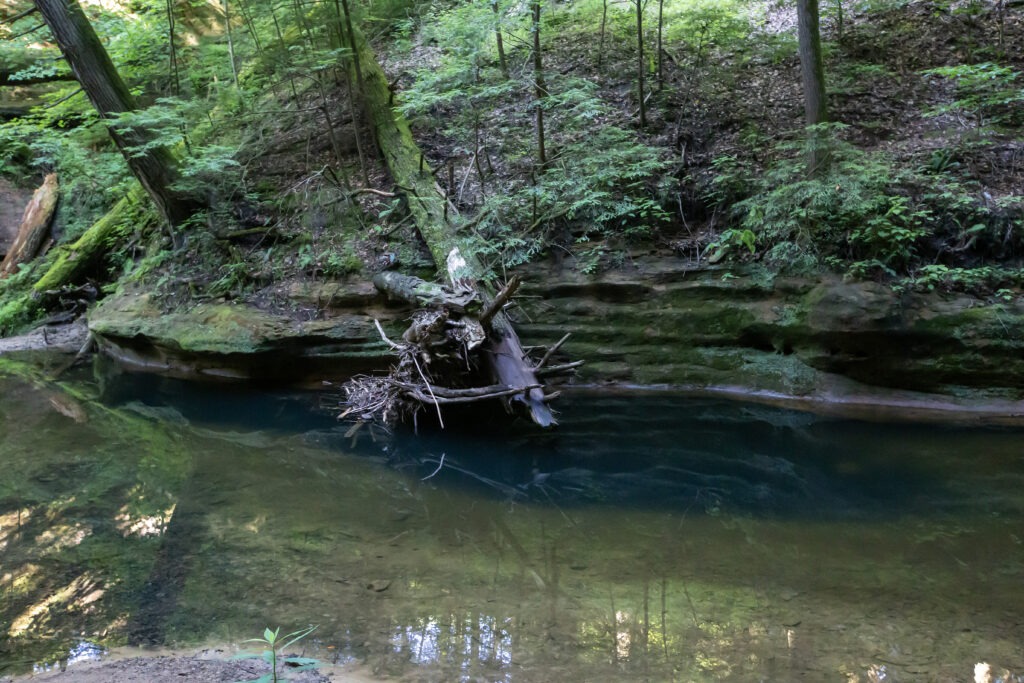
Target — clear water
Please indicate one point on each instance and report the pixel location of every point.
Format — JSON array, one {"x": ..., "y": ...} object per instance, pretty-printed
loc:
[{"x": 651, "y": 537}]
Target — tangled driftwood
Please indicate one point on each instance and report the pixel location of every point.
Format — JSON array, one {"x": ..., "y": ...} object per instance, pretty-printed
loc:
[{"x": 452, "y": 353}]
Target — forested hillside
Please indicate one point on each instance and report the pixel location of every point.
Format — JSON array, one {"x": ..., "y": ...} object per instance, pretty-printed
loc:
[{"x": 586, "y": 132}]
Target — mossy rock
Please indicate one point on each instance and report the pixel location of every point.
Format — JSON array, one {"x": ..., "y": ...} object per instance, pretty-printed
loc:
[{"x": 234, "y": 340}]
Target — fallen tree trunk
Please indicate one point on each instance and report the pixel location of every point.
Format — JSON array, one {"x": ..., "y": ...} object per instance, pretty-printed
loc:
[
  {"x": 35, "y": 226},
  {"x": 71, "y": 261},
  {"x": 432, "y": 212}
]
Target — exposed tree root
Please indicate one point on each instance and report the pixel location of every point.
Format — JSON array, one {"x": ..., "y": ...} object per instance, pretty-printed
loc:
[{"x": 442, "y": 357}]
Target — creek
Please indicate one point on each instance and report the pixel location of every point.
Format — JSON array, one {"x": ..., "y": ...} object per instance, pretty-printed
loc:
[{"x": 650, "y": 537}]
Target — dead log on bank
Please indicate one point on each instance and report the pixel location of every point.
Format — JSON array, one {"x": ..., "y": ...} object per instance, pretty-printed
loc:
[
  {"x": 35, "y": 226},
  {"x": 437, "y": 221}
]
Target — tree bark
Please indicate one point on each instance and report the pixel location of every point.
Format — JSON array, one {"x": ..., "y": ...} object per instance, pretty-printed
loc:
[
  {"x": 813, "y": 77},
  {"x": 502, "y": 61},
  {"x": 540, "y": 88},
  {"x": 424, "y": 294},
  {"x": 35, "y": 225},
  {"x": 156, "y": 168},
  {"x": 641, "y": 67},
  {"x": 427, "y": 205}
]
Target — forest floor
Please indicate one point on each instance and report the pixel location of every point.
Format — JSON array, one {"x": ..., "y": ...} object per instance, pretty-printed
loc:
[{"x": 130, "y": 665}]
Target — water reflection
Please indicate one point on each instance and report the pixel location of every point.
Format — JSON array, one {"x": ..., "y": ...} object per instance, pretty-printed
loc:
[{"x": 646, "y": 540}]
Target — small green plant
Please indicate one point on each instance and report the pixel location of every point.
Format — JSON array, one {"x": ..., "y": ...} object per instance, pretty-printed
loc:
[
  {"x": 855, "y": 208},
  {"x": 273, "y": 653},
  {"x": 986, "y": 92}
]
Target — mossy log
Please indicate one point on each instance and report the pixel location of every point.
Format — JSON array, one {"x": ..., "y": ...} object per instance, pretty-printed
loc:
[
  {"x": 425, "y": 294},
  {"x": 35, "y": 225},
  {"x": 434, "y": 219},
  {"x": 71, "y": 261}
]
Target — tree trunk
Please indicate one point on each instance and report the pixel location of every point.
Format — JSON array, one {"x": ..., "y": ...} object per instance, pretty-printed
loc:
[
  {"x": 641, "y": 67},
  {"x": 540, "y": 89},
  {"x": 427, "y": 205},
  {"x": 424, "y": 294},
  {"x": 661, "y": 49},
  {"x": 156, "y": 168},
  {"x": 35, "y": 225},
  {"x": 813, "y": 76},
  {"x": 502, "y": 61},
  {"x": 73, "y": 260}
]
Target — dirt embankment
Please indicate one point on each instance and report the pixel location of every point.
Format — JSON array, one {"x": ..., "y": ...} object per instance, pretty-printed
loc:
[
  {"x": 12, "y": 205},
  {"x": 206, "y": 666}
]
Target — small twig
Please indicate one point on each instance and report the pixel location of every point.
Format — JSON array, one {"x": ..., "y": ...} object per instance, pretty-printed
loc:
[
  {"x": 437, "y": 405},
  {"x": 500, "y": 300},
  {"x": 16, "y": 17},
  {"x": 27, "y": 31},
  {"x": 493, "y": 391},
  {"x": 63, "y": 99},
  {"x": 383, "y": 336},
  {"x": 469, "y": 399},
  {"x": 558, "y": 369},
  {"x": 462, "y": 185},
  {"x": 551, "y": 351},
  {"x": 439, "y": 466},
  {"x": 370, "y": 190},
  {"x": 548, "y": 218}
]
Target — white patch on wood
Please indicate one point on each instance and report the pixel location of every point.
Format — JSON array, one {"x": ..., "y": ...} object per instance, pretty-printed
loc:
[{"x": 455, "y": 262}]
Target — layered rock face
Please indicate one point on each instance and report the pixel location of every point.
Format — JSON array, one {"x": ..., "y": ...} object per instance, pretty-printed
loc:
[{"x": 858, "y": 346}]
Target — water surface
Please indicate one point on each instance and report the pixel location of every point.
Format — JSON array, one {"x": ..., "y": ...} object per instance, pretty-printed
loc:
[{"x": 651, "y": 537}]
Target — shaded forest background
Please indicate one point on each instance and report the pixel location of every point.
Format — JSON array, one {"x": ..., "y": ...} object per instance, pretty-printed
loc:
[{"x": 591, "y": 133}]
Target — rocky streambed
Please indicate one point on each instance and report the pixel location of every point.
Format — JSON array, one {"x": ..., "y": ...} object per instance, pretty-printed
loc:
[{"x": 854, "y": 348}]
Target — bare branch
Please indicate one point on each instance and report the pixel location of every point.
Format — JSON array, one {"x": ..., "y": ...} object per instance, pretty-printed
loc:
[
  {"x": 500, "y": 300},
  {"x": 552, "y": 350},
  {"x": 558, "y": 369}
]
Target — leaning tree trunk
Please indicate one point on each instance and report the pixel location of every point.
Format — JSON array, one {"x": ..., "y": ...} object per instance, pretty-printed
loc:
[
  {"x": 812, "y": 72},
  {"x": 427, "y": 204},
  {"x": 154, "y": 167}
]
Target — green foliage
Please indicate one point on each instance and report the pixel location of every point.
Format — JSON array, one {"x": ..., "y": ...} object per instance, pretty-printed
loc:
[
  {"x": 92, "y": 174},
  {"x": 601, "y": 183},
  {"x": 986, "y": 92},
  {"x": 600, "y": 179},
  {"x": 852, "y": 208},
  {"x": 17, "y": 306},
  {"x": 274, "y": 646},
  {"x": 981, "y": 280},
  {"x": 700, "y": 24}
]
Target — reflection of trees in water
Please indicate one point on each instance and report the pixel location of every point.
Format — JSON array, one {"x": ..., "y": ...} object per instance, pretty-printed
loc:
[
  {"x": 429, "y": 582},
  {"x": 85, "y": 497}
]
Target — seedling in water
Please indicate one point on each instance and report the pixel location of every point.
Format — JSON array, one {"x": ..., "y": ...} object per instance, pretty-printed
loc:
[{"x": 274, "y": 648}]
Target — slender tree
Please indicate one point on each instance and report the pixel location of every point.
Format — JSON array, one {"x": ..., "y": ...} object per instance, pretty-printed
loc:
[
  {"x": 813, "y": 76},
  {"x": 661, "y": 49},
  {"x": 231, "y": 44},
  {"x": 501, "y": 42},
  {"x": 540, "y": 89},
  {"x": 154, "y": 166},
  {"x": 641, "y": 67}
]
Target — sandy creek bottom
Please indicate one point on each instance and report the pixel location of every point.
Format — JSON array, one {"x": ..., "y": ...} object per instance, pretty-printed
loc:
[{"x": 651, "y": 537}]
